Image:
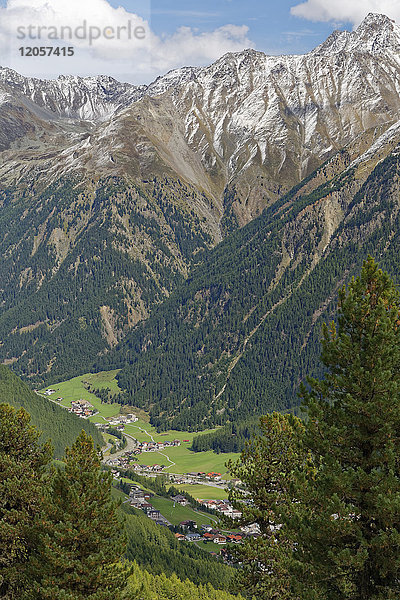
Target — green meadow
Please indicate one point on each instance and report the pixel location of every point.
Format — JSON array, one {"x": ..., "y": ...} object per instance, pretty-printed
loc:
[
  {"x": 74, "y": 389},
  {"x": 175, "y": 513},
  {"x": 186, "y": 461},
  {"x": 181, "y": 459},
  {"x": 204, "y": 492}
]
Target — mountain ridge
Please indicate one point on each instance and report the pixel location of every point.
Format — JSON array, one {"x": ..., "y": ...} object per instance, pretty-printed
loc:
[{"x": 104, "y": 214}]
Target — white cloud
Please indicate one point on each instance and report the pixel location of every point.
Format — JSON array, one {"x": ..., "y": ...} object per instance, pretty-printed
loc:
[
  {"x": 116, "y": 42},
  {"x": 352, "y": 11},
  {"x": 198, "y": 48}
]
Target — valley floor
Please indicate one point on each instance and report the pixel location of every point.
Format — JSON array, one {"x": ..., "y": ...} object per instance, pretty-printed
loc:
[{"x": 177, "y": 459}]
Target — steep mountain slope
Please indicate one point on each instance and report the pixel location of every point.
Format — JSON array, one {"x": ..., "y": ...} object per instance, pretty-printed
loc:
[
  {"x": 90, "y": 98},
  {"x": 84, "y": 263},
  {"x": 53, "y": 421},
  {"x": 244, "y": 129},
  {"x": 110, "y": 193},
  {"x": 243, "y": 331},
  {"x": 264, "y": 123}
]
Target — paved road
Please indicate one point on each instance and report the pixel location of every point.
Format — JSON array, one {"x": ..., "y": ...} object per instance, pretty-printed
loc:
[
  {"x": 160, "y": 453},
  {"x": 108, "y": 446},
  {"x": 131, "y": 445}
]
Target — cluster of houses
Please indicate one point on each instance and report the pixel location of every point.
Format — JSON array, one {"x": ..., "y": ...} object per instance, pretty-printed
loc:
[
  {"x": 189, "y": 529},
  {"x": 194, "y": 477},
  {"x": 156, "y": 446},
  {"x": 222, "y": 506},
  {"x": 82, "y": 408},
  {"x": 126, "y": 461},
  {"x": 140, "y": 499},
  {"x": 122, "y": 420},
  {"x": 149, "y": 469},
  {"x": 208, "y": 534}
]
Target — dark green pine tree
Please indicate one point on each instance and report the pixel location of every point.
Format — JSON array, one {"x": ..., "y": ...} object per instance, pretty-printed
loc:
[
  {"x": 266, "y": 467},
  {"x": 81, "y": 535},
  {"x": 347, "y": 524},
  {"x": 22, "y": 469}
]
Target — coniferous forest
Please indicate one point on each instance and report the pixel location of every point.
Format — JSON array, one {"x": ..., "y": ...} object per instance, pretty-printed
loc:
[
  {"x": 53, "y": 421},
  {"x": 332, "y": 482},
  {"x": 235, "y": 340}
]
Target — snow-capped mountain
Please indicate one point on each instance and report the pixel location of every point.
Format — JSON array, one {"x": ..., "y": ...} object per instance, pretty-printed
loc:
[
  {"x": 244, "y": 129},
  {"x": 85, "y": 98},
  {"x": 377, "y": 34}
]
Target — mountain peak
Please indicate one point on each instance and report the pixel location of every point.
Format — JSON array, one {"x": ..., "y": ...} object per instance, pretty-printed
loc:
[
  {"x": 375, "y": 34},
  {"x": 376, "y": 20}
]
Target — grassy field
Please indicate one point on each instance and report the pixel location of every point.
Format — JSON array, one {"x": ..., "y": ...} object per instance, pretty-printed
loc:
[
  {"x": 74, "y": 389},
  {"x": 204, "y": 492},
  {"x": 105, "y": 379},
  {"x": 184, "y": 460},
  {"x": 136, "y": 428},
  {"x": 176, "y": 514}
]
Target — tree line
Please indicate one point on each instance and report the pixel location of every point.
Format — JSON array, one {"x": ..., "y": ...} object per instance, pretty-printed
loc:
[{"x": 230, "y": 438}]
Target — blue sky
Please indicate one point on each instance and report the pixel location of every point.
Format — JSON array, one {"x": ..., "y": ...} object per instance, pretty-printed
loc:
[
  {"x": 177, "y": 33},
  {"x": 271, "y": 26}
]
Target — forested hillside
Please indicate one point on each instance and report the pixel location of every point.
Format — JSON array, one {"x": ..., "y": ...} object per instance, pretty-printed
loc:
[
  {"x": 85, "y": 264},
  {"x": 231, "y": 438},
  {"x": 156, "y": 549},
  {"x": 241, "y": 333},
  {"x": 53, "y": 421},
  {"x": 147, "y": 586}
]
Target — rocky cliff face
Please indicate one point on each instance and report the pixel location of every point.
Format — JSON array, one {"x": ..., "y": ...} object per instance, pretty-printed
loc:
[{"x": 244, "y": 129}]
